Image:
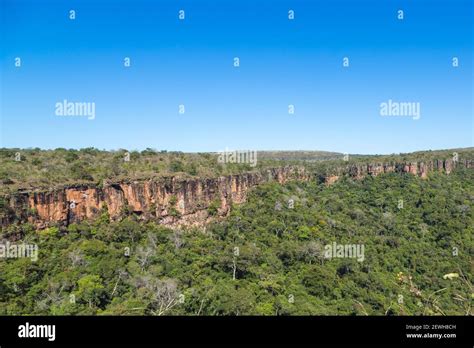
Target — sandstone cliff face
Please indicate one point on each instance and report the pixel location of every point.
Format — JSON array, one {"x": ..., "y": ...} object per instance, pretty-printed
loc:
[
  {"x": 420, "y": 169},
  {"x": 172, "y": 201}
]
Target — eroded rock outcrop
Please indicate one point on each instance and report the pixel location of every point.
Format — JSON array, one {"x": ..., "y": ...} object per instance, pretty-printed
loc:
[
  {"x": 420, "y": 169},
  {"x": 173, "y": 201},
  {"x": 169, "y": 200}
]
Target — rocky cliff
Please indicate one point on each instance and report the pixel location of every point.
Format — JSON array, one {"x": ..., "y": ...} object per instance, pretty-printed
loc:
[
  {"x": 170, "y": 200},
  {"x": 421, "y": 169},
  {"x": 173, "y": 201}
]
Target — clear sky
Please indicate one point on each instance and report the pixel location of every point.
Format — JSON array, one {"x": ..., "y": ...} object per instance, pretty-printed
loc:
[{"x": 282, "y": 62}]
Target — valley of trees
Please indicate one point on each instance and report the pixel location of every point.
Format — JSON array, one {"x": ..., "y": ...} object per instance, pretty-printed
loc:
[{"x": 266, "y": 258}]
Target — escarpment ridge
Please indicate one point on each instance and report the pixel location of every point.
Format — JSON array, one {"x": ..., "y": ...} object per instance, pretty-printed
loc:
[
  {"x": 170, "y": 200},
  {"x": 175, "y": 201}
]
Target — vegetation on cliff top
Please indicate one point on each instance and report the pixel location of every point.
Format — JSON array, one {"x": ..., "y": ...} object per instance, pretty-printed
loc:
[
  {"x": 29, "y": 169},
  {"x": 35, "y": 168}
]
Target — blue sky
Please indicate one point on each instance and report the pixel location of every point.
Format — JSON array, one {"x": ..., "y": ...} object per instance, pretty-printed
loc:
[{"x": 282, "y": 62}]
